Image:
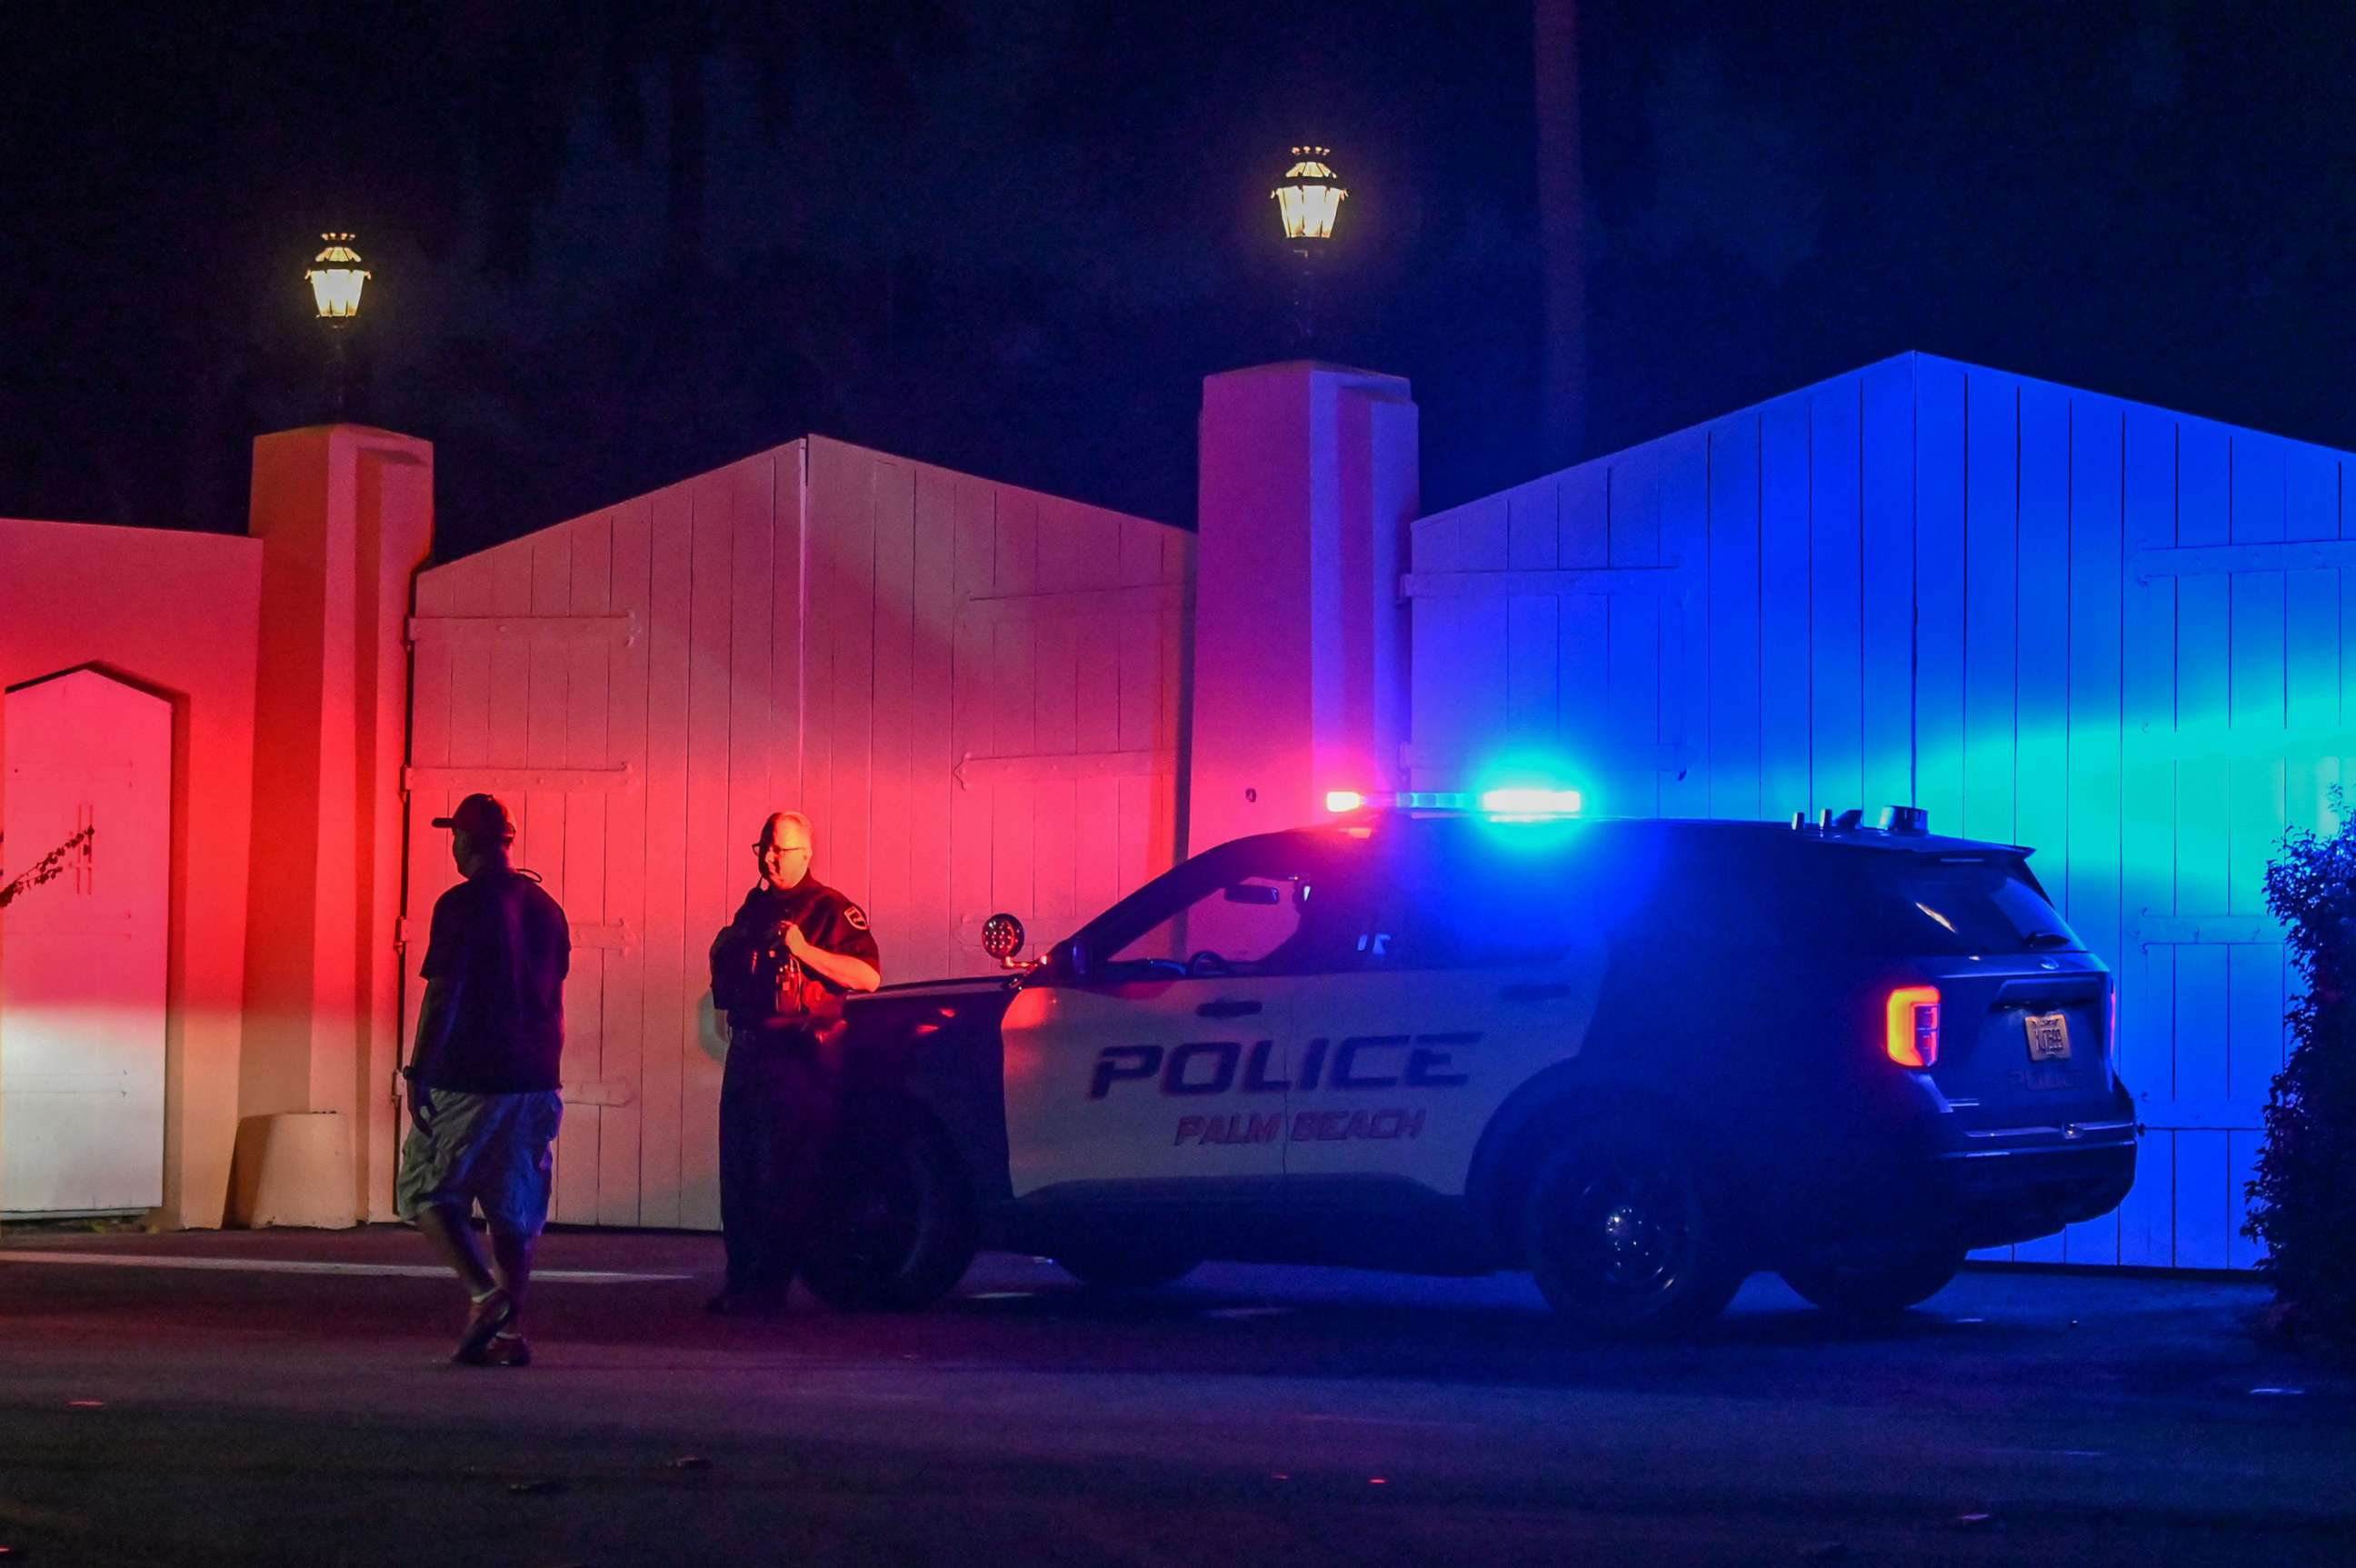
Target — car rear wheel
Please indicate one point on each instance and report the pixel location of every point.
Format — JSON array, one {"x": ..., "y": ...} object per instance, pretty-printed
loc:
[
  {"x": 1875, "y": 1290},
  {"x": 899, "y": 1230},
  {"x": 1116, "y": 1267},
  {"x": 1625, "y": 1237}
]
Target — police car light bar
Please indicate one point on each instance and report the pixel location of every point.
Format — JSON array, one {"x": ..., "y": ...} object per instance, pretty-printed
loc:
[
  {"x": 1527, "y": 802},
  {"x": 1516, "y": 805}
]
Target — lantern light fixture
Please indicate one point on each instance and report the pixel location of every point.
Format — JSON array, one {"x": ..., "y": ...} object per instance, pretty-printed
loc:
[
  {"x": 1310, "y": 196},
  {"x": 335, "y": 276}
]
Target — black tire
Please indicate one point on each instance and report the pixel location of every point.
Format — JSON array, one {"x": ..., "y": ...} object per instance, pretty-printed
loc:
[
  {"x": 899, "y": 1230},
  {"x": 1116, "y": 1267},
  {"x": 1877, "y": 1290},
  {"x": 1626, "y": 1235}
]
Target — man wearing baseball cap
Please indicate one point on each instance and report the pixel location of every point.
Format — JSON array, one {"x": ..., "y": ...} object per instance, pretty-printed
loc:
[{"x": 483, "y": 1087}]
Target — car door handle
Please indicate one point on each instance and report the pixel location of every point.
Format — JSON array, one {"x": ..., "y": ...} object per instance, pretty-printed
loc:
[
  {"x": 1554, "y": 992},
  {"x": 1226, "y": 1009}
]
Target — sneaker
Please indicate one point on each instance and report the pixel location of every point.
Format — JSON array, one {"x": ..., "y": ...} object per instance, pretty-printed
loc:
[
  {"x": 504, "y": 1350},
  {"x": 489, "y": 1315}
]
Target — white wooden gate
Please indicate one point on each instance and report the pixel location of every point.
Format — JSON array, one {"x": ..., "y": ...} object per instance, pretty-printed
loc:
[
  {"x": 2118, "y": 635},
  {"x": 972, "y": 689},
  {"x": 82, "y": 956}
]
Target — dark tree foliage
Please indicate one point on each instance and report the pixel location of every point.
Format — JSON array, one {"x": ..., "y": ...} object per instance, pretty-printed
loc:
[
  {"x": 48, "y": 868},
  {"x": 2303, "y": 1200}
]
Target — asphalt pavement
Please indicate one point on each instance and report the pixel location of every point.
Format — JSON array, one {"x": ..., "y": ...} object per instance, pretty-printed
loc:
[{"x": 283, "y": 1397}]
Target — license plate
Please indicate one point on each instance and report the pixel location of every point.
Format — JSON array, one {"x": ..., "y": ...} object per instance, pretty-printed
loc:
[{"x": 2049, "y": 1037}]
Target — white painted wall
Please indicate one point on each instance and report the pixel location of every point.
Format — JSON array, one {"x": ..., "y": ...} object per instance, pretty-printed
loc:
[{"x": 82, "y": 956}]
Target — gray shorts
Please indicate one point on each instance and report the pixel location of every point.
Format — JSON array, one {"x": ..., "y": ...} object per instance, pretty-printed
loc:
[{"x": 491, "y": 1149}]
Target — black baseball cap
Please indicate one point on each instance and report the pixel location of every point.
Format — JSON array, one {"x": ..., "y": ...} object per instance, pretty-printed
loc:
[{"x": 480, "y": 817}]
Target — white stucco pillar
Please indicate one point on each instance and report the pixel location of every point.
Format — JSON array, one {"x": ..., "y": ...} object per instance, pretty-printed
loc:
[
  {"x": 346, "y": 517},
  {"x": 1308, "y": 483}
]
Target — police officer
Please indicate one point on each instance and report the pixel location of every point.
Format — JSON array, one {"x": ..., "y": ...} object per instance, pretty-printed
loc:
[{"x": 780, "y": 970}]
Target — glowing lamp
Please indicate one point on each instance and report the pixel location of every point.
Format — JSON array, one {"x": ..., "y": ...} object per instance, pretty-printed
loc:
[
  {"x": 335, "y": 276},
  {"x": 1343, "y": 799},
  {"x": 1310, "y": 196}
]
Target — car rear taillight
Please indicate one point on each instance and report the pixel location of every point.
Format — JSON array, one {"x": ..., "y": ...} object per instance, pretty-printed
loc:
[{"x": 1913, "y": 1031}]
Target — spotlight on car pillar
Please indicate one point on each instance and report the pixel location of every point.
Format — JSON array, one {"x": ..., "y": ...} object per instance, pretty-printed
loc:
[{"x": 1001, "y": 938}]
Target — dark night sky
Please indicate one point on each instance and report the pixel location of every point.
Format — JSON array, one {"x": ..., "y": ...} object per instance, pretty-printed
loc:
[{"x": 1013, "y": 236}]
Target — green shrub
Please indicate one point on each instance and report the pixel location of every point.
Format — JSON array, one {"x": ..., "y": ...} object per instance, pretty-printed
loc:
[{"x": 2303, "y": 1200}]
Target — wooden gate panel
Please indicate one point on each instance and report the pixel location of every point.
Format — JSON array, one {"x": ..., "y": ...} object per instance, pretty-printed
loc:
[
  {"x": 929, "y": 914},
  {"x": 821, "y": 629},
  {"x": 1835, "y": 650},
  {"x": 622, "y": 1057},
  {"x": 670, "y": 945},
  {"x": 1785, "y": 776},
  {"x": 2090, "y": 880},
  {"x": 436, "y": 701},
  {"x": 1886, "y": 400},
  {"x": 2042, "y": 723},
  {"x": 973, "y": 675},
  {"x": 893, "y": 870},
  {"x": 547, "y": 581},
  {"x": 1732, "y": 610},
  {"x": 588, "y": 717},
  {"x": 2111, "y": 632},
  {"x": 712, "y": 877}
]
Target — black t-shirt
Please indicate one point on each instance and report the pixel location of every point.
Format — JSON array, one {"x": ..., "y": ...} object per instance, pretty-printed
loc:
[
  {"x": 745, "y": 967},
  {"x": 503, "y": 943}
]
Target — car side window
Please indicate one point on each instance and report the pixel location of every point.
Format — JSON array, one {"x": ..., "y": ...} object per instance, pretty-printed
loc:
[
  {"x": 1265, "y": 914},
  {"x": 1468, "y": 910},
  {"x": 1722, "y": 897}
]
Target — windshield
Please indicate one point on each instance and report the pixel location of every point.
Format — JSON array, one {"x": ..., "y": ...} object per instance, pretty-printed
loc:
[{"x": 1965, "y": 904}]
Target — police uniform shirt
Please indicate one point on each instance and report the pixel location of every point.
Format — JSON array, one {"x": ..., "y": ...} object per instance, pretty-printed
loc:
[{"x": 826, "y": 919}]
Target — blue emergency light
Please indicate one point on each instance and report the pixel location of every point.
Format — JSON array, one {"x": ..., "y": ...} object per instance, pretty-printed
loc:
[{"x": 1521, "y": 802}]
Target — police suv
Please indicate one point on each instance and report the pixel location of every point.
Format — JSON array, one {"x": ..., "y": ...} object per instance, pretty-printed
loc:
[{"x": 1458, "y": 1034}]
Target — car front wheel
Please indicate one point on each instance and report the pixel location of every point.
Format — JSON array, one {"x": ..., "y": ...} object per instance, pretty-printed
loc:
[
  {"x": 899, "y": 1230},
  {"x": 1625, "y": 1237}
]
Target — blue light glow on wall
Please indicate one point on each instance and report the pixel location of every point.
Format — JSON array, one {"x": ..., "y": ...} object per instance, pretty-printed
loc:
[{"x": 2110, "y": 632}]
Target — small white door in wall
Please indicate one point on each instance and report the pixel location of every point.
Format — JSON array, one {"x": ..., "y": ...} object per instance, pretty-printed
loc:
[{"x": 82, "y": 955}]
